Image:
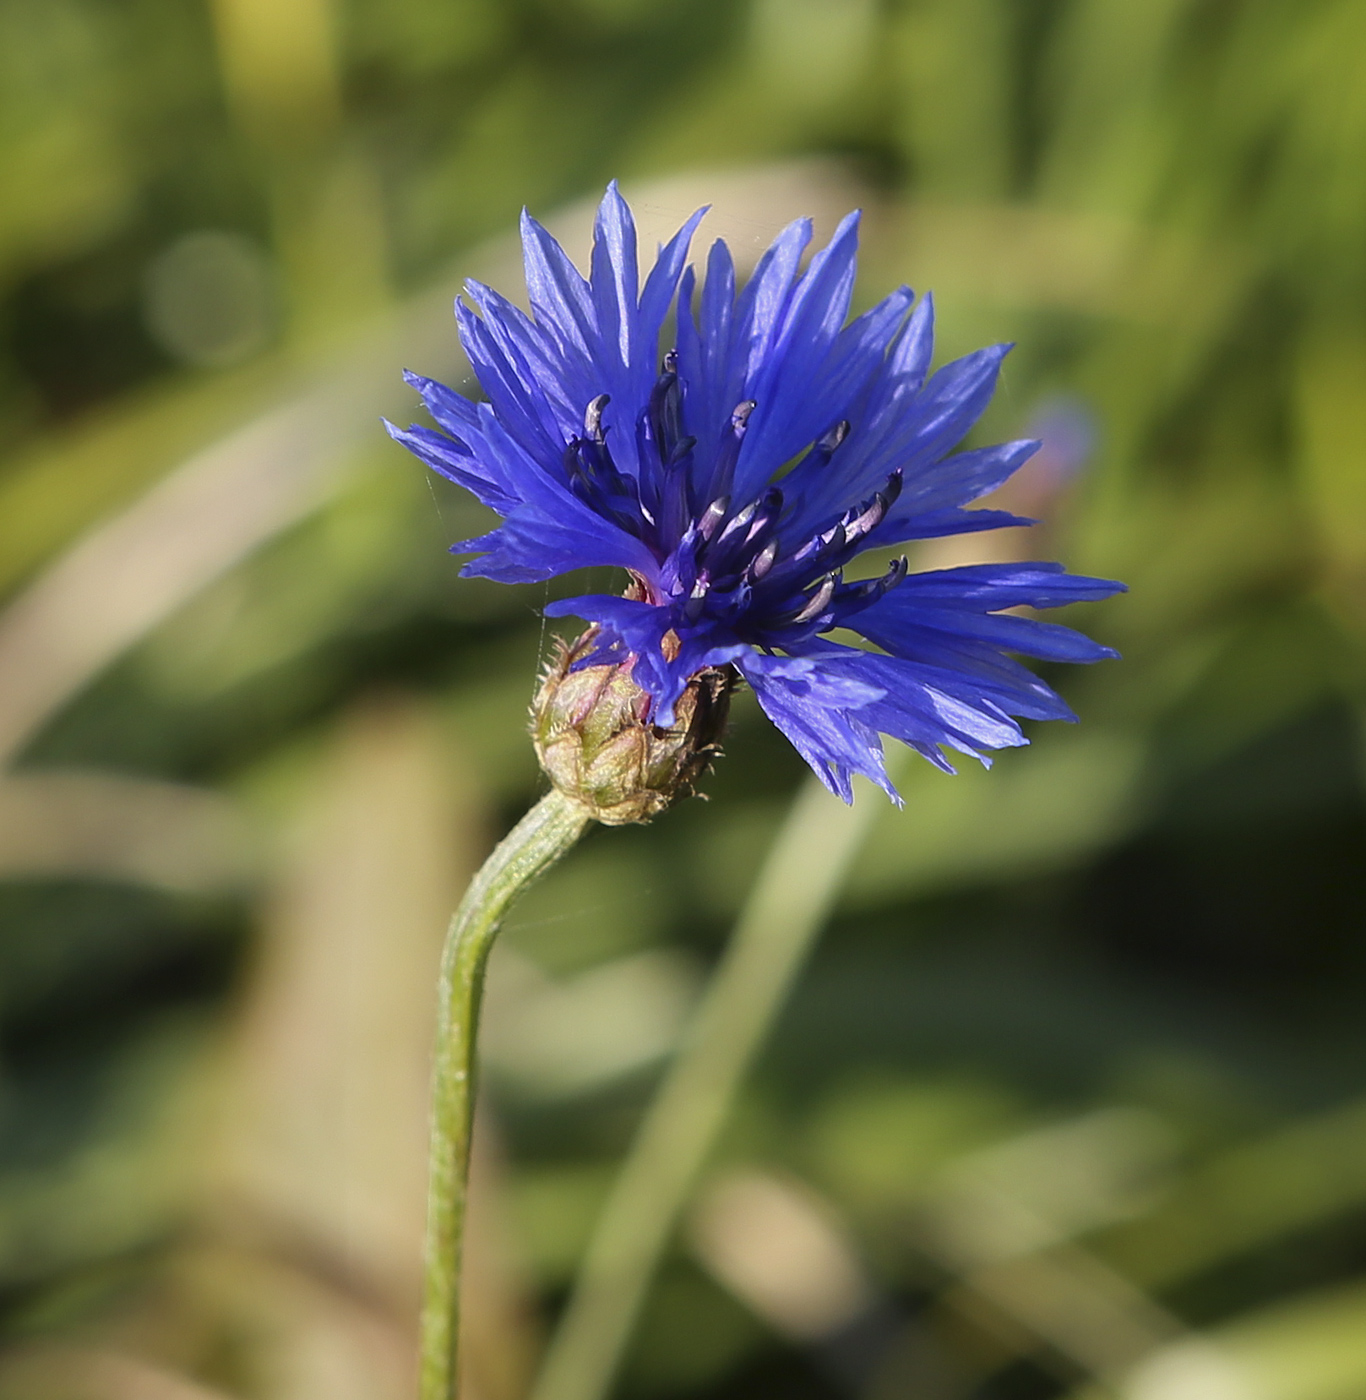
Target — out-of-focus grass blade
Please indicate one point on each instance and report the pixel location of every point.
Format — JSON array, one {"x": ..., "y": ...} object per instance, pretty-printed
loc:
[
  {"x": 1248, "y": 1197},
  {"x": 1310, "y": 1348},
  {"x": 169, "y": 836},
  {"x": 1332, "y": 452},
  {"x": 1036, "y": 810}
]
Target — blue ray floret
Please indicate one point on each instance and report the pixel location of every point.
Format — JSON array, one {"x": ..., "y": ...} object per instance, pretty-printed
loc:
[{"x": 737, "y": 476}]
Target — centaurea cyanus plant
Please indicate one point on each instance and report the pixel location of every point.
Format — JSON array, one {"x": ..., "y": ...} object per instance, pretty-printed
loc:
[{"x": 733, "y": 478}]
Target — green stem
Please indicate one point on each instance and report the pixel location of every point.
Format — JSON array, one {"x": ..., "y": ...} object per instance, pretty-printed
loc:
[
  {"x": 528, "y": 851},
  {"x": 790, "y": 902}
]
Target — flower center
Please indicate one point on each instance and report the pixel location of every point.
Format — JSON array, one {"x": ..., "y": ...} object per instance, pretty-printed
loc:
[{"x": 718, "y": 564}]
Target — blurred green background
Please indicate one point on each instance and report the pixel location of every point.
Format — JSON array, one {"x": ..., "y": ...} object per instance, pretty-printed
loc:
[{"x": 1071, "y": 1098}]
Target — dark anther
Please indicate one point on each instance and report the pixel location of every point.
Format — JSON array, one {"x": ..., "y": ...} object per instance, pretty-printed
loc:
[
  {"x": 592, "y": 417},
  {"x": 824, "y": 447},
  {"x": 713, "y": 516},
  {"x": 594, "y": 478},
  {"x": 763, "y": 561},
  {"x": 770, "y": 508},
  {"x": 697, "y": 600},
  {"x": 670, "y": 362},
  {"x": 728, "y": 453},
  {"x": 573, "y": 465},
  {"x": 681, "y": 449},
  {"x": 834, "y": 437},
  {"x": 666, "y": 414},
  {"x": 859, "y": 595},
  {"x": 871, "y": 515},
  {"x": 869, "y": 518},
  {"x": 740, "y": 522},
  {"x": 816, "y": 603}
]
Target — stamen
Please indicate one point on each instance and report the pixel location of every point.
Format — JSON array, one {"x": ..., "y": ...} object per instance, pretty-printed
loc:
[
  {"x": 740, "y": 522},
  {"x": 592, "y": 417},
  {"x": 834, "y": 437},
  {"x": 727, "y": 453},
  {"x": 697, "y": 599},
  {"x": 875, "y": 512},
  {"x": 816, "y": 603},
  {"x": 713, "y": 516},
  {"x": 770, "y": 508},
  {"x": 666, "y": 415},
  {"x": 681, "y": 449},
  {"x": 763, "y": 561},
  {"x": 811, "y": 547},
  {"x": 594, "y": 479},
  {"x": 857, "y": 596},
  {"x": 870, "y": 518}
]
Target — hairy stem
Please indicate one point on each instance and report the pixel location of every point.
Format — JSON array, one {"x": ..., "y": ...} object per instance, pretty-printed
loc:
[{"x": 528, "y": 851}]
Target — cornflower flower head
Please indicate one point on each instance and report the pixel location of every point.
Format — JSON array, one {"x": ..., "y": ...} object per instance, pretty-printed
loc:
[{"x": 735, "y": 477}]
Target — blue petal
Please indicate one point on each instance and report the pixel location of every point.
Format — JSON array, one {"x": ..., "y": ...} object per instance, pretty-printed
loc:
[
  {"x": 936, "y": 524},
  {"x": 1049, "y": 641},
  {"x": 965, "y": 604},
  {"x": 531, "y": 546},
  {"x": 553, "y": 385},
  {"x": 875, "y": 414},
  {"x": 614, "y": 279},
  {"x": 921, "y": 708},
  {"x": 760, "y": 306},
  {"x": 662, "y": 282},
  {"x": 560, "y": 297},
  {"x": 549, "y": 528},
  {"x": 452, "y": 411},
  {"x": 794, "y": 401},
  {"x": 659, "y": 289},
  {"x": 822, "y": 711},
  {"x": 967, "y": 668},
  {"x": 859, "y": 356},
  {"x": 713, "y": 377},
  {"x": 962, "y": 477},
  {"x": 520, "y": 407},
  {"x": 451, "y": 459},
  {"x": 945, "y": 409},
  {"x": 1034, "y": 584}
]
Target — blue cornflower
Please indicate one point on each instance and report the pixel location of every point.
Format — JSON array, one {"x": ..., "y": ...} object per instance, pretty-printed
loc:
[{"x": 735, "y": 485}]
